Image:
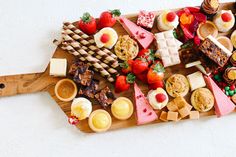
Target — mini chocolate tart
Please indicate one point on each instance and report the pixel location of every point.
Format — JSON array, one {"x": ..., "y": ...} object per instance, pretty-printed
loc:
[
  {"x": 206, "y": 29},
  {"x": 65, "y": 90},
  {"x": 233, "y": 58},
  {"x": 225, "y": 41},
  {"x": 230, "y": 75}
]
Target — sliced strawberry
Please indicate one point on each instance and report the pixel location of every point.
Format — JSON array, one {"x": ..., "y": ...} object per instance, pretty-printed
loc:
[
  {"x": 200, "y": 17},
  {"x": 194, "y": 9},
  {"x": 187, "y": 33},
  {"x": 193, "y": 26}
]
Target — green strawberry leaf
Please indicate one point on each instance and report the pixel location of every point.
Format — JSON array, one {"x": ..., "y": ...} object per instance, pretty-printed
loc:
[{"x": 130, "y": 78}]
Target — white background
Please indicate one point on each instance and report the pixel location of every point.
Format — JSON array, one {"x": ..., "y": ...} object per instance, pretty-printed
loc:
[{"x": 33, "y": 125}]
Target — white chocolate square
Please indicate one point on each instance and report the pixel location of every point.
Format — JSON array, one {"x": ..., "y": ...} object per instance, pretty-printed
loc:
[
  {"x": 196, "y": 80},
  {"x": 58, "y": 67}
]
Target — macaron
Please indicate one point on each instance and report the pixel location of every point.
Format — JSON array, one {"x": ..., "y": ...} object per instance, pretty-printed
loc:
[
  {"x": 122, "y": 108},
  {"x": 207, "y": 28}
]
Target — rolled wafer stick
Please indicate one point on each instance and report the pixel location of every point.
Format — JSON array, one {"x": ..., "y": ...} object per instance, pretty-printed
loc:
[
  {"x": 77, "y": 45},
  {"x": 95, "y": 52},
  {"x": 87, "y": 40}
]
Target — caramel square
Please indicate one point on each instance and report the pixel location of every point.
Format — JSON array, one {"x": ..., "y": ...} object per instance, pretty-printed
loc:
[
  {"x": 163, "y": 116},
  {"x": 180, "y": 102},
  {"x": 184, "y": 112},
  {"x": 194, "y": 115},
  {"x": 171, "y": 106},
  {"x": 172, "y": 116}
]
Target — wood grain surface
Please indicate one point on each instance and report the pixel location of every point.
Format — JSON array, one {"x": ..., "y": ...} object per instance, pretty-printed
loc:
[{"x": 41, "y": 82}]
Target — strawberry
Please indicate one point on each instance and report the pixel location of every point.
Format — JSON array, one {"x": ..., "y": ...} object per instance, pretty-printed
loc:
[
  {"x": 160, "y": 97},
  {"x": 126, "y": 66},
  {"x": 87, "y": 24},
  {"x": 148, "y": 54},
  {"x": 187, "y": 33},
  {"x": 142, "y": 76},
  {"x": 158, "y": 84},
  {"x": 139, "y": 65},
  {"x": 194, "y": 9},
  {"x": 200, "y": 17},
  {"x": 171, "y": 16},
  {"x": 107, "y": 18},
  {"x": 197, "y": 40},
  {"x": 155, "y": 73},
  {"x": 226, "y": 17},
  {"x": 123, "y": 82}
]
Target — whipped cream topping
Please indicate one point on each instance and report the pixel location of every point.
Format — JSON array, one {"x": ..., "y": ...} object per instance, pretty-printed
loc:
[
  {"x": 163, "y": 24},
  {"x": 222, "y": 25}
]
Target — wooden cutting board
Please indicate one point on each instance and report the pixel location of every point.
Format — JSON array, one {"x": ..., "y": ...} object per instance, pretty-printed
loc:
[{"x": 41, "y": 82}]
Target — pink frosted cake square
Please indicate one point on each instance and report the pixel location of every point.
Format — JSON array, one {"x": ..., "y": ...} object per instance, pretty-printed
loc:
[{"x": 145, "y": 19}]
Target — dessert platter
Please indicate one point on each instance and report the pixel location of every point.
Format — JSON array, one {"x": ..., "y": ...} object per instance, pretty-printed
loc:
[{"x": 119, "y": 71}]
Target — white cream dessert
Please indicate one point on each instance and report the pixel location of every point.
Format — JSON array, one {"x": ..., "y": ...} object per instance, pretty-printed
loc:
[
  {"x": 158, "y": 98},
  {"x": 106, "y": 37},
  {"x": 224, "y": 20},
  {"x": 167, "y": 20},
  {"x": 81, "y": 108}
]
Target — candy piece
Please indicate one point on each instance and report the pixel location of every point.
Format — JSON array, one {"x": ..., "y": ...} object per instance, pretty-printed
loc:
[
  {"x": 215, "y": 51},
  {"x": 196, "y": 80},
  {"x": 194, "y": 115},
  {"x": 144, "y": 112},
  {"x": 168, "y": 48},
  {"x": 184, "y": 112},
  {"x": 145, "y": 19},
  {"x": 143, "y": 36},
  {"x": 173, "y": 116},
  {"x": 58, "y": 67},
  {"x": 163, "y": 116},
  {"x": 234, "y": 98},
  {"x": 223, "y": 105}
]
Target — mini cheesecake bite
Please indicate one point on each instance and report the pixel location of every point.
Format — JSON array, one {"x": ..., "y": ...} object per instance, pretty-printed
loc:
[
  {"x": 100, "y": 120},
  {"x": 224, "y": 20},
  {"x": 167, "y": 20},
  {"x": 158, "y": 98},
  {"x": 81, "y": 108},
  {"x": 122, "y": 108}
]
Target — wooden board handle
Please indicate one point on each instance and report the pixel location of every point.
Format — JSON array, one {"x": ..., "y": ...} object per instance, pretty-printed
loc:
[{"x": 25, "y": 83}]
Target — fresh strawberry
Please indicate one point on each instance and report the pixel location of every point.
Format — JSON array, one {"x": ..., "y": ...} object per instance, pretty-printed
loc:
[
  {"x": 193, "y": 26},
  {"x": 158, "y": 84},
  {"x": 187, "y": 11},
  {"x": 107, "y": 18},
  {"x": 180, "y": 12},
  {"x": 197, "y": 40},
  {"x": 187, "y": 33},
  {"x": 139, "y": 65},
  {"x": 123, "y": 82},
  {"x": 194, "y": 9},
  {"x": 142, "y": 76},
  {"x": 155, "y": 73},
  {"x": 160, "y": 97},
  {"x": 200, "y": 17},
  {"x": 126, "y": 66},
  {"x": 171, "y": 16},
  {"x": 87, "y": 24},
  {"x": 148, "y": 54},
  {"x": 226, "y": 17}
]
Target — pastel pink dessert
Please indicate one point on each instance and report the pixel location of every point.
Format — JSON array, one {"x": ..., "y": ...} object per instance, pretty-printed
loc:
[
  {"x": 223, "y": 105},
  {"x": 144, "y": 112},
  {"x": 143, "y": 36},
  {"x": 145, "y": 19}
]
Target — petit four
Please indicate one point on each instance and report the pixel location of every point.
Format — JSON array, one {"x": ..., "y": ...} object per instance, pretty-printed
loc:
[
  {"x": 105, "y": 97},
  {"x": 226, "y": 42},
  {"x": 207, "y": 28},
  {"x": 163, "y": 116},
  {"x": 230, "y": 75},
  {"x": 143, "y": 36},
  {"x": 215, "y": 51},
  {"x": 58, "y": 67},
  {"x": 81, "y": 108},
  {"x": 224, "y": 20},
  {"x": 106, "y": 37},
  {"x": 144, "y": 112},
  {"x": 158, "y": 98},
  {"x": 196, "y": 80},
  {"x": 202, "y": 99},
  {"x": 126, "y": 48},
  {"x": 100, "y": 120},
  {"x": 177, "y": 85},
  {"x": 168, "y": 48},
  {"x": 122, "y": 108},
  {"x": 223, "y": 105},
  {"x": 145, "y": 19},
  {"x": 65, "y": 90},
  {"x": 233, "y": 59},
  {"x": 167, "y": 20},
  {"x": 233, "y": 38},
  {"x": 194, "y": 115},
  {"x": 173, "y": 116},
  {"x": 210, "y": 7}
]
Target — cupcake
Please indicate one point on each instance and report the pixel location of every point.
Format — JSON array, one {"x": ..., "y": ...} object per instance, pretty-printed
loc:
[
  {"x": 233, "y": 59},
  {"x": 167, "y": 20},
  {"x": 210, "y": 7},
  {"x": 224, "y": 20},
  {"x": 230, "y": 75}
]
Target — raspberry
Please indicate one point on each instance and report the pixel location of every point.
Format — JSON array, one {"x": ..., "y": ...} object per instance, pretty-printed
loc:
[
  {"x": 171, "y": 16},
  {"x": 160, "y": 97},
  {"x": 105, "y": 38},
  {"x": 226, "y": 17}
]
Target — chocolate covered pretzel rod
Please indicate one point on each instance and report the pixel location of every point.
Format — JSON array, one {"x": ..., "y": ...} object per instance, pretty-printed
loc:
[
  {"x": 101, "y": 55},
  {"x": 87, "y": 40},
  {"x": 78, "y": 46}
]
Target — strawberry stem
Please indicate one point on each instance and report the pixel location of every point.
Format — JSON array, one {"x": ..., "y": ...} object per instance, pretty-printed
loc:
[
  {"x": 130, "y": 78},
  {"x": 158, "y": 68},
  {"x": 86, "y": 17},
  {"x": 115, "y": 12},
  {"x": 124, "y": 65}
]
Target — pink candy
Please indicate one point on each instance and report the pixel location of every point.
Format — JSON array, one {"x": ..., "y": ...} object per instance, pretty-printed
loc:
[{"x": 146, "y": 19}]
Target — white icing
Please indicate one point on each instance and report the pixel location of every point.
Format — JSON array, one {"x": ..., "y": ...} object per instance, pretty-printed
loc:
[
  {"x": 220, "y": 24},
  {"x": 164, "y": 25}
]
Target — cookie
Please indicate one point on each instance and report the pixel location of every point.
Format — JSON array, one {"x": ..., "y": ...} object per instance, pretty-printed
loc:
[
  {"x": 126, "y": 48},
  {"x": 202, "y": 99},
  {"x": 177, "y": 85}
]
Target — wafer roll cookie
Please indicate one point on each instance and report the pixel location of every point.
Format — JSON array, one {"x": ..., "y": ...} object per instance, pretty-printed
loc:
[
  {"x": 89, "y": 39},
  {"x": 93, "y": 50},
  {"x": 76, "y": 44}
]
